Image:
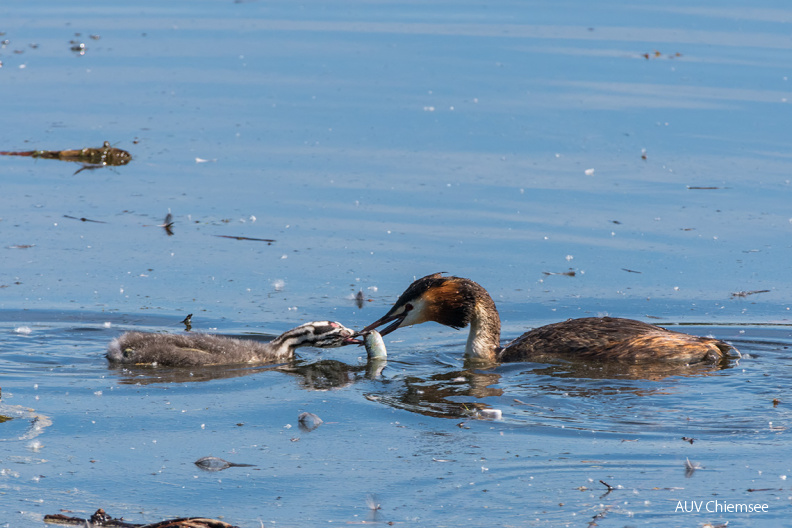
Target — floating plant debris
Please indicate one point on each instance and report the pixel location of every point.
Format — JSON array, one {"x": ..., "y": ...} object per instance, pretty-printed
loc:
[
  {"x": 83, "y": 219},
  {"x": 168, "y": 224},
  {"x": 691, "y": 467},
  {"x": 360, "y": 299},
  {"x": 78, "y": 47},
  {"x": 657, "y": 54},
  {"x": 211, "y": 463},
  {"x": 610, "y": 488},
  {"x": 490, "y": 414},
  {"x": 373, "y": 502},
  {"x": 747, "y": 293},
  {"x": 102, "y": 519},
  {"x": 570, "y": 273},
  {"x": 91, "y": 157},
  {"x": 267, "y": 240},
  {"x": 308, "y": 421}
]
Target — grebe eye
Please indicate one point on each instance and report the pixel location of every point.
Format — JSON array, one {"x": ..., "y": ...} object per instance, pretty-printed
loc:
[{"x": 408, "y": 307}]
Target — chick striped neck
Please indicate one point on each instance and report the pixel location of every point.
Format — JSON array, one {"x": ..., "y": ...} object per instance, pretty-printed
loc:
[{"x": 285, "y": 344}]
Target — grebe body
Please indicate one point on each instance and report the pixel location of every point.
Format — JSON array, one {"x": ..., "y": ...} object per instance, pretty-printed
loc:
[
  {"x": 459, "y": 302},
  {"x": 193, "y": 349}
]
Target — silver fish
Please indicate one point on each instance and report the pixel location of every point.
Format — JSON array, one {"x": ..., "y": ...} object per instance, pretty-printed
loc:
[{"x": 375, "y": 346}]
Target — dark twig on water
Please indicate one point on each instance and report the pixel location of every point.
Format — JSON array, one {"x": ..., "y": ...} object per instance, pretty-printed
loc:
[
  {"x": 211, "y": 463},
  {"x": 168, "y": 224},
  {"x": 570, "y": 273},
  {"x": 83, "y": 219},
  {"x": 269, "y": 241},
  {"x": 610, "y": 488},
  {"x": 742, "y": 294}
]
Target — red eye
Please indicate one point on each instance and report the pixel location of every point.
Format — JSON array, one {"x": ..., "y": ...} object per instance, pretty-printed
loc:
[{"x": 408, "y": 307}]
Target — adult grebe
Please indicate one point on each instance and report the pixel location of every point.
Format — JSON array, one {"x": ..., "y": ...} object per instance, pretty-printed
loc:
[
  {"x": 458, "y": 302},
  {"x": 188, "y": 350}
]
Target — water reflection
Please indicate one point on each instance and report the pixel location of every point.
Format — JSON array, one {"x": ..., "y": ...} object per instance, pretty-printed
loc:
[
  {"x": 325, "y": 374},
  {"x": 462, "y": 393},
  {"x": 454, "y": 393},
  {"x": 619, "y": 371},
  {"x": 147, "y": 375},
  {"x": 438, "y": 394}
]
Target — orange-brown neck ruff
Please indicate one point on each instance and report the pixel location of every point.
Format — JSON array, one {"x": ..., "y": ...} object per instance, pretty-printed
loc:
[
  {"x": 455, "y": 302},
  {"x": 451, "y": 301}
]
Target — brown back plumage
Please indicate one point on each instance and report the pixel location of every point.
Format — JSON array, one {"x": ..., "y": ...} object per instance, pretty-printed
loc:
[{"x": 611, "y": 338}]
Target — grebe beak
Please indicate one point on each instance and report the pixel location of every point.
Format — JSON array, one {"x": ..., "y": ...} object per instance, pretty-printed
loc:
[{"x": 386, "y": 319}]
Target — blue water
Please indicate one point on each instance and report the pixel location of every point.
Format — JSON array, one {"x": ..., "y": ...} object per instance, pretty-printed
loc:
[{"x": 376, "y": 143}]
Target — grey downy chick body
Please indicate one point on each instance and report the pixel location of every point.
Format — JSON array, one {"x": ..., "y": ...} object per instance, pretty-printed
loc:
[{"x": 195, "y": 349}]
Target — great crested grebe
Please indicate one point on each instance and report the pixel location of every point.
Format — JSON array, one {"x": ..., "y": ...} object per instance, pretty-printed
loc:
[
  {"x": 458, "y": 302},
  {"x": 188, "y": 350}
]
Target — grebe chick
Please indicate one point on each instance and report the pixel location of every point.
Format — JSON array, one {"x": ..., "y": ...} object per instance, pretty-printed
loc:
[
  {"x": 188, "y": 350},
  {"x": 458, "y": 302}
]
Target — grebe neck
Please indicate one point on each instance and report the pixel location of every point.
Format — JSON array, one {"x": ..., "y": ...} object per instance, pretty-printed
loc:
[
  {"x": 320, "y": 334},
  {"x": 484, "y": 337},
  {"x": 285, "y": 344}
]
